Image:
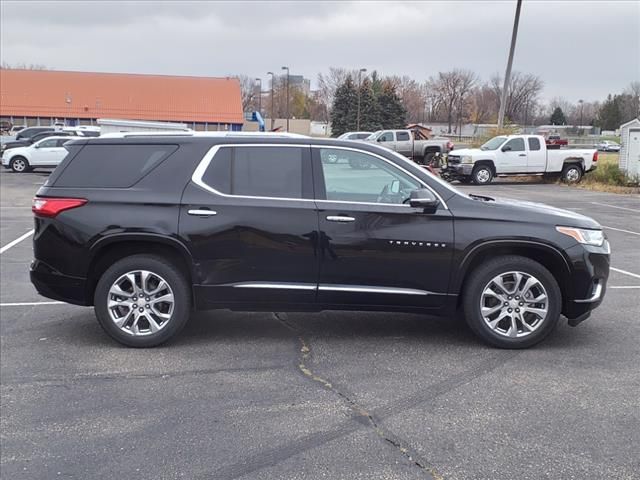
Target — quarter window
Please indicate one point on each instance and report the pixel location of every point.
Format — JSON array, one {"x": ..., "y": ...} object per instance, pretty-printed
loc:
[
  {"x": 402, "y": 136},
  {"x": 534, "y": 143},
  {"x": 359, "y": 177},
  {"x": 516, "y": 144}
]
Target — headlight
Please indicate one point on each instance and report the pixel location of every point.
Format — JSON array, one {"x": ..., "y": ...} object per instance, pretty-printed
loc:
[
  {"x": 584, "y": 236},
  {"x": 466, "y": 159}
]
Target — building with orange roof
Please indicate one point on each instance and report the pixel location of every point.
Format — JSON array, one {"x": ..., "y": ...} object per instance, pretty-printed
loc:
[{"x": 43, "y": 97}]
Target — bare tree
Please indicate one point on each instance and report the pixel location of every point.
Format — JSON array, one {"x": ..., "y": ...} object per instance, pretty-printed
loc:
[
  {"x": 412, "y": 95},
  {"x": 327, "y": 86},
  {"x": 522, "y": 94},
  {"x": 451, "y": 89},
  {"x": 248, "y": 92},
  {"x": 484, "y": 104},
  {"x": 24, "y": 66}
]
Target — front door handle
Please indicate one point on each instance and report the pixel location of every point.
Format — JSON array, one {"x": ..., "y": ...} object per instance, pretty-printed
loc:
[
  {"x": 340, "y": 218},
  {"x": 202, "y": 212},
  {"x": 522, "y": 155}
]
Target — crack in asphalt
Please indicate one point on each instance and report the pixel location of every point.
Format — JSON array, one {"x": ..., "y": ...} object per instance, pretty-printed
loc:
[{"x": 386, "y": 435}]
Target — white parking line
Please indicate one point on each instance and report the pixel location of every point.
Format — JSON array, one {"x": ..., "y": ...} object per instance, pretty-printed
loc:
[
  {"x": 622, "y": 230},
  {"x": 16, "y": 241},
  {"x": 635, "y": 275},
  {"x": 615, "y": 206},
  {"x": 29, "y": 304},
  {"x": 625, "y": 286}
]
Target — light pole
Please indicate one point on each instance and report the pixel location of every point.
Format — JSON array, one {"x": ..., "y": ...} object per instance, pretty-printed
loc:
[
  {"x": 581, "y": 102},
  {"x": 359, "y": 84},
  {"x": 526, "y": 111},
  {"x": 272, "y": 113},
  {"x": 507, "y": 75},
  {"x": 287, "y": 69},
  {"x": 259, "y": 80}
]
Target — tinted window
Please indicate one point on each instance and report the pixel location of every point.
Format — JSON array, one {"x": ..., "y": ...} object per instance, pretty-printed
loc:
[
  {"x": 218, "y": 173},
  {"x": 402, "y": 136},
  {"x": 516, "y": 144},
  {"x": 534, "y": 143},
  {"x": 114, "y": 166},
  {"x": 267, "y": 172},
  {"x": 48, "y": 143},
  {"x": 359, "y": 177},
  {"x": 361, "y": 136},
  {"x": 61, "y": 141}
]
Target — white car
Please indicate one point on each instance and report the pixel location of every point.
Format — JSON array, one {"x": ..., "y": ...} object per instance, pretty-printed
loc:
[
  {"x": 48, "y": 152},
  {"x": 607, "y": 146},
  {"x": 354, "y": 135}
]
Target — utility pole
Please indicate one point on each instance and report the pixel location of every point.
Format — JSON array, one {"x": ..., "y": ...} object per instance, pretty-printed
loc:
[
  {"x": 507, "y": 75},
  {"x": 259, "y": 80},
  {"x": 287, "y": 69},
  {"x": 359, "y": 84},
  {"x": 581, "y": 102},
  {"x": 272, "y": 112}
]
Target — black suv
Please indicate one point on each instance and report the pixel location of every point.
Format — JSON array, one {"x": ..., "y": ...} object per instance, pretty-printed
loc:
[{"x": 148, "y": 227}]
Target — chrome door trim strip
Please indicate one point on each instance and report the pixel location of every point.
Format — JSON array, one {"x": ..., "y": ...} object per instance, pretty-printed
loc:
[
  {"x": 372, "y": 289},
  {"x": 273, "y": 285}
]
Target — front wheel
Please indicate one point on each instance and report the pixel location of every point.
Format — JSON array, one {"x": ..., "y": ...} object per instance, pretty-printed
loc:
[
  {"x": 142, "y": 301},
  {"x": 19, "y": 164},
  {"x": 512, "y": 302},
  {"x": 572, "y": 173},
  {"x": 482, "y": 175}
]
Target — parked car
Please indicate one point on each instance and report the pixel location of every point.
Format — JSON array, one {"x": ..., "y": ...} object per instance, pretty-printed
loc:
[
  {"x": 15, "y": 129},
  {"x": 554, "y": 141},
  {"x": 48, "y": 152},
  {"x": 405, "y": 143},
  {"x": 27, "y": 133},
  {"x": 147, "y": 228},
  {"x": 608, "y": 146},
  {"x": 518, "y": 155},
  {"x": 71, "y": 132},
  {"x": 354, "y": 135}
]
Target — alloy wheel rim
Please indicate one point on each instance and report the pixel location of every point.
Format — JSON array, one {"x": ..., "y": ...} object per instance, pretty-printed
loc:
[
  {"x": 140, "y": 303},
  {"x": 18, "y": 164},
  {"x": 514, "y": 304},
  {"x": 483, "y": 175}
]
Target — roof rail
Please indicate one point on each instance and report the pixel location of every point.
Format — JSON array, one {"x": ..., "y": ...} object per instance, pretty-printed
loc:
[{"x": 202, "y": 134}]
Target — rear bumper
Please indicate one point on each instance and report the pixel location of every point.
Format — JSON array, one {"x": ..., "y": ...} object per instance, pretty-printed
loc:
[{"x": 53, "y": 284}]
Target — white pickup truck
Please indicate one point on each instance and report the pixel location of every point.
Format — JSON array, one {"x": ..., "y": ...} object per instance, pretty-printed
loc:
[
  {"x": 518, "y": 155},
  {"x": 410, "y": 143}
]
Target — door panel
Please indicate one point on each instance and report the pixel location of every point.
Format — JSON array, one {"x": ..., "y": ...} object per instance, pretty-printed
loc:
[
  {"x": 515, "y": 160},
  {"x": 537, "y": 159},
  {"x": 250, "y": 250},
  {"x": 379, "y": 252}
]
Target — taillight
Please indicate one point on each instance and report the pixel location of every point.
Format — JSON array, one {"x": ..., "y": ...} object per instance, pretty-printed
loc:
[
  {"x": 595, "y": 156},
  {"x": 50, "y": 207}
]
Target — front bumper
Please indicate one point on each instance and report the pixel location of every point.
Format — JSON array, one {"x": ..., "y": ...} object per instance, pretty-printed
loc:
[
  {"x": 53, "y": 284},
  {"x": 460, "y": 169}
]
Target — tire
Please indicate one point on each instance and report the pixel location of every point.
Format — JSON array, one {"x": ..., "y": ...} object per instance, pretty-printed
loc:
[
  {"x": 19, "y": 165},
  {"x": 572, "y": 173},
  {"x": 139, "y": 331},
  {"x": 482, "y": 174},
  {"x": 479, "y": 292}
]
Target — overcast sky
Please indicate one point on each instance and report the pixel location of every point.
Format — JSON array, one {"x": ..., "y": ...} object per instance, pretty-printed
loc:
[{"x": 581, "y": 49}]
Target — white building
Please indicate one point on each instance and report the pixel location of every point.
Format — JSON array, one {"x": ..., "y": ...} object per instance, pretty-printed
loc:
[{"x": 630, "y": 147}]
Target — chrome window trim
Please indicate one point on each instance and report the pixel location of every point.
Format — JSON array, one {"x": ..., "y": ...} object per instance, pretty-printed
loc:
[{"x": 198, "y": 173}]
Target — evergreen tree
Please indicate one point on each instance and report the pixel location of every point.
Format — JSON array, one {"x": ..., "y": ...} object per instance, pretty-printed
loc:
[
  {"x": 344, "y": 108},
  {"x": 392, "y": 112},
  {"x": 610, "y": 116},
  {"x": 369, "y": 112},
  {"x": 557, "y": 117}
]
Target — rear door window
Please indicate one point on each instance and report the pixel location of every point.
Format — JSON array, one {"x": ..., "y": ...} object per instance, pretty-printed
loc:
[
  {"x": 534, "y": 143},
  {"x": 402, "y": 136},
  {"x": 112, "y": 166}
]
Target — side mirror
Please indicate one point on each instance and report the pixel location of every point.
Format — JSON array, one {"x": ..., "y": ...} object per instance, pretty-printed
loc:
[
  {"x": 506, "y": 148},
  {"x": 423, "y": 198},
  {"x": 380, "y": 139},
  {"x": 394, "y": 187},
  {"x": 37, "y": 146}
]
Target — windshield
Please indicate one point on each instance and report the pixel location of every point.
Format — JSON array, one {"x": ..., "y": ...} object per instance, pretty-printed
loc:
[
  {"x": 493, "y": 144},
  {"x": 374, "y": 135}
]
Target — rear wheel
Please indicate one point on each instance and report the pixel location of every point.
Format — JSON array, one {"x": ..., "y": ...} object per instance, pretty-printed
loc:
[
  {"x": 19, "y": 165},
  {"x": 512, "y": 302},
  {"x": 572, "y": 173},
  {"x": 482, "y": 174},
  {"x": 142, "y": 301}
]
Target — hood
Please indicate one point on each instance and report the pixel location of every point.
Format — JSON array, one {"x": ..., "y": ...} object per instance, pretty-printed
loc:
[
  {"x": 546, "y": 213},
  {"x": 468, "y": 151},
  {"x": 9, "y": 152}
]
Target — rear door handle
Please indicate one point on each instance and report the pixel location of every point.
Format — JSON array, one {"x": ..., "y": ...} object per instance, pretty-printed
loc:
[
  {"x": 202, "y": 212},
  {"x": 340, "y": 218}
]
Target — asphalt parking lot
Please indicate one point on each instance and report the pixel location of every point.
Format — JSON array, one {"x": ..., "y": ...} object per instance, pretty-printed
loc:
[{"x": 330, "y": 395}]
